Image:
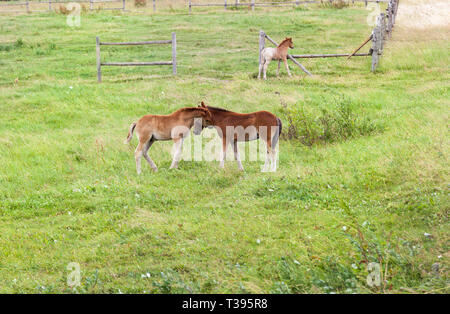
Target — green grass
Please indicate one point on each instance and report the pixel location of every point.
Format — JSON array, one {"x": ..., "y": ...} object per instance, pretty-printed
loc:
[{"x": 69, "y": 190}]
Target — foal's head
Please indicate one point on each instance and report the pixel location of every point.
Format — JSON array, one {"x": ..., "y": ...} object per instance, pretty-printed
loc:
[
  {"x": 287, "y": 42},
  {"x": 206, "y": 119}
]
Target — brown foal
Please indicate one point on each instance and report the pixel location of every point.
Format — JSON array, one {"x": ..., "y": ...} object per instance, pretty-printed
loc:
[
  {"x": 279, "y": 53},
  {"x": 175, "y": 126},
  {"x": 235, "y": 127}
]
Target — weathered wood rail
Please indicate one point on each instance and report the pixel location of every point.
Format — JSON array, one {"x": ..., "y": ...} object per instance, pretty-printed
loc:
[
  {"x": 50, "y": 3},
  {"x": 252, "y": 4},
  {"x": 382, "y": 31},
  {"x": 173, "y": 62}
]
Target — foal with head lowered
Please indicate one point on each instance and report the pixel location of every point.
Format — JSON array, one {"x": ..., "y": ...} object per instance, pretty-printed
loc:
[
  {"x": 175, "y": 126},
  {"x": 279, "y": 53},
  {"x": 235, "y": 127}
]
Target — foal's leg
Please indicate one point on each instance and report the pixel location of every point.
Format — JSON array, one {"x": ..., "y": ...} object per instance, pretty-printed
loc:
[
  {"x": 278, "y": 69},
  {"x": 178, "y": 148},
  {"x": 260, "y": 68},
  {"x": 138, "y": 155},
  {"x": 268, "y": 155},
  {"x": 266, "y": 65},
  {"x": 147, "y": 157},
  {"x": 273, "y": 153},
  {"x": 236, "y": 155},
  {"x": 287, "y": 67},
  {"x": 224, "y": 152}
]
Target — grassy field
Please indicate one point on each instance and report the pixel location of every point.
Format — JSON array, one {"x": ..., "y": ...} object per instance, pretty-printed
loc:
[{"x": 69, "y": 190}]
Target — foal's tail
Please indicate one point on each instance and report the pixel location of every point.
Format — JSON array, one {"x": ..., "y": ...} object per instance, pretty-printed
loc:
[
  {"x": 276, "y": 136},
  {"x": 130, "y": 133}
]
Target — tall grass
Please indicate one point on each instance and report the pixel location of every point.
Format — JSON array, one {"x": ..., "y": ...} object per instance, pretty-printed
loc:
[
  {"x": 331, "y": 122},
  {"x": 69, "y": 192}
]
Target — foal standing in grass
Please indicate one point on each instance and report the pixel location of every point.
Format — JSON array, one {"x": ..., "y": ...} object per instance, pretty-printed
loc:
[
  {"x": 279, "y": 53},
  {"x": 235, "y": 127},
  {"x": 175, "y": 126}
]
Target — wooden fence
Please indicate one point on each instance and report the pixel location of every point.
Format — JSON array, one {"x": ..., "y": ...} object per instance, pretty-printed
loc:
[
  {"x": 173, "y": 41},
  {"x": 252, "y": 4},
  {"x": 382, "y": 31},
  {"x": 50, "y": 7}
]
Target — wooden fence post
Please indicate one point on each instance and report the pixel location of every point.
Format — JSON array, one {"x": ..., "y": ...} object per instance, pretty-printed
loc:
[
  {"x": 123, "y": 5},
  {"x": 49, "y": 5},
  {"x": 262, "y": 41},
  {"x": 28, "y": 6},
  {"x": 389, "y": 19},
  {"x": 380, "y": 33},
  {"x": 190, "y": 7},
  {"x": 396, "y": 7},
  {"x": 383, "y": 28},
  {"x": 99, "y": 65},
  {"x": 90, "y": 4},
  {"x": 225, "y": 4},
  {"x": 253, "y": 5},
  {"x": 174, "y": 53},
  {"x": 154, "y": 5}
]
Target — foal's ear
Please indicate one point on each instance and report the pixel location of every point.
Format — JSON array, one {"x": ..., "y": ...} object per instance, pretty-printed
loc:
[{"x": 203, "y": 104}]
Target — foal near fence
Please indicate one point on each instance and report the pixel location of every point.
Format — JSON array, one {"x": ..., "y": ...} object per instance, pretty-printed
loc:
[
  {"x": 235, "y": 127},
  {"x": 175, "y": 126},
  {"x": 279, "y": 53}
]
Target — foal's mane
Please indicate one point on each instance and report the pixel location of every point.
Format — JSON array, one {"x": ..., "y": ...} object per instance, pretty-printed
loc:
[
  {"x": 218, "y": 109},
  {"x": 285, "y": 40},
  {"x": 191, "y": 109}
]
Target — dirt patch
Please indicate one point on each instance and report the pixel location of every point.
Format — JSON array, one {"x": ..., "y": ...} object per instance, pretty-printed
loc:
[
  {"x": 424, "y": 14},
  {"x": 423, "y": 20}
]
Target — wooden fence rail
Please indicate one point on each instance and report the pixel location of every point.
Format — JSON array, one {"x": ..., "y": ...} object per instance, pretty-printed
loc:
[
  {"x": 173, "y": 41},
  {"x": 26, "y": 4},
  {"x": 252, "y": 4}
]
